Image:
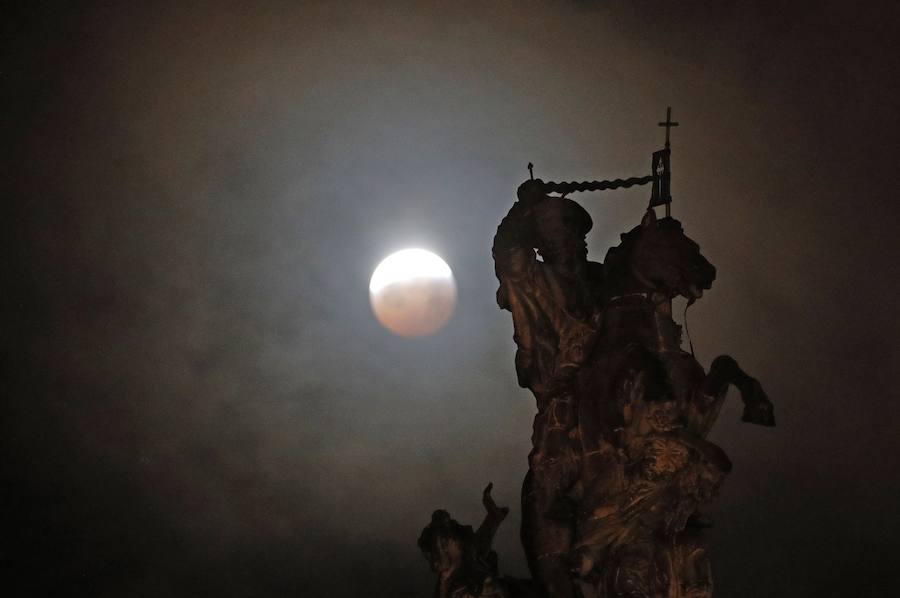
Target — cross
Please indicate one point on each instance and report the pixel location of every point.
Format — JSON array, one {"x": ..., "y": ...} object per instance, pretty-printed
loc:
[{"x": 668, "y": 124}]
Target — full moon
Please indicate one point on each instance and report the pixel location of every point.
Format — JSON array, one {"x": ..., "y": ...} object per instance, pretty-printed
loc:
[{"x": 412, "y": 292}]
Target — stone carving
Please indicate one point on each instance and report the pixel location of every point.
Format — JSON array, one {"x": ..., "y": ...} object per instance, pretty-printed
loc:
[
  {"x": 620, "y": 464},
  {"x": 463, "y": 559},
  {"x": 620, "y": 461}
]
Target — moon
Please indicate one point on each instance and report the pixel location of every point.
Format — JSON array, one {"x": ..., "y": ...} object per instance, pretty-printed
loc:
[{"x": 412, "y": 292}]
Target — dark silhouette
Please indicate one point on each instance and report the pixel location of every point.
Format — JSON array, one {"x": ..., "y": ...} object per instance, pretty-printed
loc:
[
  {"x": 620, "y": 463},
  {"x": 463, "y": 559}
]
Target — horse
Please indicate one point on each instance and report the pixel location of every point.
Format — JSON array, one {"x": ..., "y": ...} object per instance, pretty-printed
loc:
[{"x": 644, "y": 409}]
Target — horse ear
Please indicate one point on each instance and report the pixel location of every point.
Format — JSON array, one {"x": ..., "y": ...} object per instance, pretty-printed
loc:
[{"x": 649, "y": 218}]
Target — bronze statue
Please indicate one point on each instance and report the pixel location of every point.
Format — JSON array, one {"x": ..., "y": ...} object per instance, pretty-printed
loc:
[{"x": 620, "y": 463}]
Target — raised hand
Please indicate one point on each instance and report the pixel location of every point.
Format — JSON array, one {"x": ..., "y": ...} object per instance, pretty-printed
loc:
[{"x": 498, "y": 513}]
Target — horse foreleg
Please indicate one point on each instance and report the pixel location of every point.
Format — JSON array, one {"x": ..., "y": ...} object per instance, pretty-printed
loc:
[{"x": 724, "y": 371}]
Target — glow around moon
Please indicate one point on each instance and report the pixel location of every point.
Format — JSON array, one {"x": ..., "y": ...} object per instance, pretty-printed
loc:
[{"x": 412, "y": 292}]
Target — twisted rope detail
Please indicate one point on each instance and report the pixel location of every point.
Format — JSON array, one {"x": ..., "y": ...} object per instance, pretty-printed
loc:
[{"x": 569, "y": 187}]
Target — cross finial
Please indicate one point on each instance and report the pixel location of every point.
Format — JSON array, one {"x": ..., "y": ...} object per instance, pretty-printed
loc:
[
  {"x": 530, "y": 170},
  {"x": 668, "y": 124}
]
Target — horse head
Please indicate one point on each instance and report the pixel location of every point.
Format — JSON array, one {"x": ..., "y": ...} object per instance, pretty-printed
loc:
[{"x": 658, "y": 257}]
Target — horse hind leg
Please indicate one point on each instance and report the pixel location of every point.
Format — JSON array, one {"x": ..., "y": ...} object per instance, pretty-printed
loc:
[{"x": 725, "y": 370}]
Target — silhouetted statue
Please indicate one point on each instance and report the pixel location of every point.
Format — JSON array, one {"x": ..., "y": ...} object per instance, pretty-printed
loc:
[
  {"x": 556, "y": 304},
  {"x": 463, "y": 559},
  {"x": 620, "y": 463},
  {"x": 620, "y": 460}
]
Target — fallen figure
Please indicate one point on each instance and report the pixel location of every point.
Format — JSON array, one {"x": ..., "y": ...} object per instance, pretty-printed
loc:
[{"x": 463, "y": 559}]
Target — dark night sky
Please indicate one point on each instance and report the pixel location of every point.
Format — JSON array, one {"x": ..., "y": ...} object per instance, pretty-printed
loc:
[{"x": 198, "y": 400}]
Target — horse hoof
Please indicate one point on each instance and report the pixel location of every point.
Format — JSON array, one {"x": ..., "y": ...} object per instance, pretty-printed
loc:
[{"x": 761, "y": 414}]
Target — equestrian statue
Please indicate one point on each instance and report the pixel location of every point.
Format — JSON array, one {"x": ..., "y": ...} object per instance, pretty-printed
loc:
[{"x": 620, "y": 462}]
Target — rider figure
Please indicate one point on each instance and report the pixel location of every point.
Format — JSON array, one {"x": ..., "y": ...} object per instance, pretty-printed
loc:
[{"x": 554, "y": 302}]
